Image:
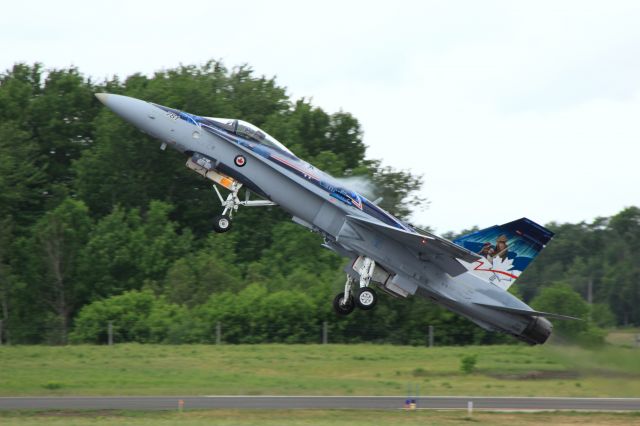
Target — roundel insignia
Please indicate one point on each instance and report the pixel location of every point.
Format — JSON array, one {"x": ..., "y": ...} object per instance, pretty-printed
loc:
[{"x": 240, "y": 160}]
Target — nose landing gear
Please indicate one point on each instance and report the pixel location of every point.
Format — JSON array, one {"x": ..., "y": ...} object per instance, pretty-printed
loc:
[
  {"x": 222, "y": 223},
  {"x": 205, "y": 166}
]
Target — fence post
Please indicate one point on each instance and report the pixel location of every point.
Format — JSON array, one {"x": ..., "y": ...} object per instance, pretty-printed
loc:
[
  {"x": 1, "y": 330},
  {"x": 110, "y": 333},
  {"x": 325, "y": 333},
  {"x": 430, "y": 336},
  {"x": 218, "y": 333}
]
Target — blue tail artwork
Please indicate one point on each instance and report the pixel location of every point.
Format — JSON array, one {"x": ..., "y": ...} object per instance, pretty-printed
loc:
[{"x": 506, "y": 250}]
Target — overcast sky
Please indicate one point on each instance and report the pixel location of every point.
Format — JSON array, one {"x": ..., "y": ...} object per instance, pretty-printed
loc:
[{"x": 508, "y": 109}]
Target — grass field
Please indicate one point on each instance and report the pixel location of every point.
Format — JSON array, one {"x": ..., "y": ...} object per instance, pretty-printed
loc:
[
  {"x": 624, "y": 337},
  {"x": 132, "y": 369},
  {"x": 314, "y": 417}
]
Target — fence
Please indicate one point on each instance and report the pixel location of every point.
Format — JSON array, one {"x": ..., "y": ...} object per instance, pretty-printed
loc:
[
  {"x": 113, "y": 332},
  {"x": 324, "y": 335},
  {"x": 262, "y": 331}
]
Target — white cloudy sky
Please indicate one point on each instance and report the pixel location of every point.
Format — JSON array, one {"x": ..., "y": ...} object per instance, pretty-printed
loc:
[{"x": 508, "y": 109}]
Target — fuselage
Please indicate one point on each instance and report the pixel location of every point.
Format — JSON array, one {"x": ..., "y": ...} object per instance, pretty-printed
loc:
[{"x": 319, "y": 202}]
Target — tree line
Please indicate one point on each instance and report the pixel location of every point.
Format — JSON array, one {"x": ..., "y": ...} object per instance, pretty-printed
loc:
[{"x": 97, "y": 224}]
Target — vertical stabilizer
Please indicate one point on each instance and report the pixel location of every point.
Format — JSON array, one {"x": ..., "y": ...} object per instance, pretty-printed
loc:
[{"x": 506, "y": 250}]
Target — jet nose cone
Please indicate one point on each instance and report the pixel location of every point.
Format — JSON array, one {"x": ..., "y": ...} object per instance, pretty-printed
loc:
[
  {"x": 102, "y": 97},
  {"x": 133, "y": 110}
]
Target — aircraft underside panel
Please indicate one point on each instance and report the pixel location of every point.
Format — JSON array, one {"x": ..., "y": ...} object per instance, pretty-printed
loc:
[{"x": 329, "y": 218}]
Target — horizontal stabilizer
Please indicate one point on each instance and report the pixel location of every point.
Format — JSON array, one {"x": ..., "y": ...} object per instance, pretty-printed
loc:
[
  {"x": 427, "y": 246},
  {"x": 527, "y": 312}
]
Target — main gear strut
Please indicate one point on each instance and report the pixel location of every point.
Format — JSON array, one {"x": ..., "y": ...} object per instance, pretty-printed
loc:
[{"x": 365, "y": 298}]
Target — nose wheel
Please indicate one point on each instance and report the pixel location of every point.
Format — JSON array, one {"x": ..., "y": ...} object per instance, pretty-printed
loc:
[{"x": 221, "y": 223}]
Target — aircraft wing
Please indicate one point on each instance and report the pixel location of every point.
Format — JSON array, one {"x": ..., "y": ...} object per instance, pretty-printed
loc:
[
  {"x": 527, "y": 313},
  {"x": 427, "y": 246}
]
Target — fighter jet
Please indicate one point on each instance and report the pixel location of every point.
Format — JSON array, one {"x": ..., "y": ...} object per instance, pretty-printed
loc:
[{"x": 469, "y": 276}]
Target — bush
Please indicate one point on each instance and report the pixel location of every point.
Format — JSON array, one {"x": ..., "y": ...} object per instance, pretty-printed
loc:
[
  {"x": 559, "y": 298},
  {"x": 420, "y": 372},
  {"x": 591, "y": 337},
  {"x": 255, "y": 315},
  {"x": 137, "y": 316},
  {"x": 468, "y": 363},
  {"x": 602, "y": 316},
  {"x": 52, "y": 386}
]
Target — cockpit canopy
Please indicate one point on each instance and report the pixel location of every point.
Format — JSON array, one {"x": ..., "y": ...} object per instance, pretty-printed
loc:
[{"x": 249, "y": 131}]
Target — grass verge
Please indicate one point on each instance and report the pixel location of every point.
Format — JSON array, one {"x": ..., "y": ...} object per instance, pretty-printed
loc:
[
  {"x": 313, "y": 417},
  {"x": 133, "y": 369}
]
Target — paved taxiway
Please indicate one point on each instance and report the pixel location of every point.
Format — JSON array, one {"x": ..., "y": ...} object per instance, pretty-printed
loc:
[{"x": 313, "y": 402}]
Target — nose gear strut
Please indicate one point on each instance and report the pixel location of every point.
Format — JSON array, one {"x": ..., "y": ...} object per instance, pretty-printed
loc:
[{"x": 222, "y": 223}]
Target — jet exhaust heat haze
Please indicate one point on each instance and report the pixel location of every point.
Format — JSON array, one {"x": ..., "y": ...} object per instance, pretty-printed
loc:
[{"x": 469, "y": 276}]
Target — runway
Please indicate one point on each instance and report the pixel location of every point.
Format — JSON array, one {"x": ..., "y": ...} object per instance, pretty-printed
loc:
[{"x": 314, "y": 402}]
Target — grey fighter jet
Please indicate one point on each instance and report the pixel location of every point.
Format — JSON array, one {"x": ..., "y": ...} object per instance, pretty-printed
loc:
[{"x": 469, "y": 276}]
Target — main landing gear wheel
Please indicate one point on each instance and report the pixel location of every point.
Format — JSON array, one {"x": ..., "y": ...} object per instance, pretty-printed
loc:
[
  {"x": 366, "y": 298},
  {"x": 221, "y": 223},
  {"x": 342, "y": 308}
]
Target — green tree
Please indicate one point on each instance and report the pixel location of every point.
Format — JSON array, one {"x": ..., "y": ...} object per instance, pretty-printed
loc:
[
  {"x": 18, "y": 87},
  {"x": 22, "y": 180},
  {"x": 560, "y": 298},
  {"x": 128, "y": 248},
  {"x": 602, "y": 316},
  {"x": 294, "y": 247},
  {"x": 622, "y": 286},
  {"x": 159, "y": 241},
  {"x": 54, "y": 247},
  {"x": 108, "y": 262},
  {"x": 7, "y": 278},
  {"x": 56, "y": 112},
  {"x": 626, "y": 225},
  {"x": 621, "y": 268},
  {"x": 193, "y": 278},
  {"x": 61, "y": 118}
]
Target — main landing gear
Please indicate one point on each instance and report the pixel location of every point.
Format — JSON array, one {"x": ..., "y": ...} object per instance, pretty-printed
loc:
[
  {"x": 365, "y": 298},
  {"x": 223, "y": 222}
]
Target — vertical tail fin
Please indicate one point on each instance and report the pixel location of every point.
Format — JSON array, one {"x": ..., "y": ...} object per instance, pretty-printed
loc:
[{"x": 507, "y": 250}]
